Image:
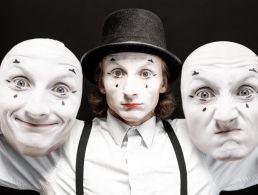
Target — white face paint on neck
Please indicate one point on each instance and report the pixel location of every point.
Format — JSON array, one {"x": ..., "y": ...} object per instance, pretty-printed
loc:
[
  {"x": 40, "y": 95},
  {"x": 219, "y": 92},
  {"x": 132, "y": 83}
]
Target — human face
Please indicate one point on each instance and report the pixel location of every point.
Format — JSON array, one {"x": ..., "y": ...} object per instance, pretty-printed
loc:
[
  {"x": 219, "y": 92},
  {"x": 39, "y": 101},
  {"x": 132, "y": 83}
]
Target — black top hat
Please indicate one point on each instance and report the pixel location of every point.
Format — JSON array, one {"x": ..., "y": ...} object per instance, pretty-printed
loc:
[{"x": 131, "y": 30}]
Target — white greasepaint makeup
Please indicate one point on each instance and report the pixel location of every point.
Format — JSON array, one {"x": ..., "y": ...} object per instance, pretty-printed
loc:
[
  {"x": 132, "y": 102},
  {"x": 220, "y": 103},
  {"x": 35, "y": 122}
]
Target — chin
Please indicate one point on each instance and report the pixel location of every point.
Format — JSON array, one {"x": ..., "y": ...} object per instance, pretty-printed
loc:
[
  {"x": 34, "y": 151},
  {"x": 230, "y": 155}
]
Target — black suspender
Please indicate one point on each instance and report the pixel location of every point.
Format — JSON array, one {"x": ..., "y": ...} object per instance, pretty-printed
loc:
[
  {"x": 179, "y": 155},
  {"x": 82, "y": 149},
  {"x": 80, "y": 157}
]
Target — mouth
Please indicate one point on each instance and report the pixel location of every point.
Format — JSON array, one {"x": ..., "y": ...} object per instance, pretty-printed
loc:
[
  {"x": 132, "y": 105},
  {"x": 227, "y": 131},
  {"x": 35, "y": 125}
]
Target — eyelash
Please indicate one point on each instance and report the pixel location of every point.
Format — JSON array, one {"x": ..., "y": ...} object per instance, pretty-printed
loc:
[
  {"x": 65, "y": 87},
  {"x": 116, "y": 70},
  {"x": 13, "y": 83}
]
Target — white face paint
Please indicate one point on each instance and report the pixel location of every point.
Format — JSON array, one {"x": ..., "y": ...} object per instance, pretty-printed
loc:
[
  {"x": 219, "y": 92},
  {"x": 40, "y": 93},
  {"x": 132, "y": 83}
]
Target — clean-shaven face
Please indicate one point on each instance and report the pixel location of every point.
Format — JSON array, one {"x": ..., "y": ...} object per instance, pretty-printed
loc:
[
  {"x": 40, "y": 94},
  {"x": 132, "y": 83},
  {"x": 219, "y": 92}
]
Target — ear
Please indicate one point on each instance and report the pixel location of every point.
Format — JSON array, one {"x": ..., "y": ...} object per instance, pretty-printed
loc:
[
  {"x": 163, "y": 87},
  {"x": 101, "y": 88}
]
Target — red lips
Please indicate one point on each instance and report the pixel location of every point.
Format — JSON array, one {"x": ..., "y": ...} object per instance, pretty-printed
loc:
[{"x": 132, "y": 105}]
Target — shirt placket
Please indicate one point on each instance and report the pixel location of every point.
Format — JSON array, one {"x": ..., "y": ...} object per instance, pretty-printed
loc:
[{"x": 133, "y": 148}]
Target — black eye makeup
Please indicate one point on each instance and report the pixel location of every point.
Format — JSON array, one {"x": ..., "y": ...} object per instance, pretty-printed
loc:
[
  {"x": 253, "y": 70},
  {"x": 245, "y": 92},
  {"x": 117, "y": 73},
  {"x": 19, "y": 83},
  {"x": 16, "y": 61},
  {"x": 203, "y": 94},
  {"x": 72, "y": 70},
  {"x": 61, "y": 90},
  {"x": 150, "y": 60},
  {"x": 195, "y": 73},
  {"x": 146, "y": 73}
]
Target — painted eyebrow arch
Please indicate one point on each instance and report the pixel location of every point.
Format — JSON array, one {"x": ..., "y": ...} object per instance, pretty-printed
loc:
[
  {"x": 26, "y": 72},
  {"x": 200, "y": 78}
]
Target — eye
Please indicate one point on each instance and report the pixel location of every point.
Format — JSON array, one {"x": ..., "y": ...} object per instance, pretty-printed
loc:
[
  {"x": 117, "y": 73},
  {"x": 145, "y": 74},
  {"x": 20, "y": 83},
  {"x": 61, "y": 90},
  {"x": 245, "y": 92},
  {"x": 204, "y": 94}
]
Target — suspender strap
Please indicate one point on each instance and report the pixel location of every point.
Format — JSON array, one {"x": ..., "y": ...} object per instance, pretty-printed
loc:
[
  {"x": 80, "y": 157},
  {"x": 82, "y": 149},
  {"x": 179, "y": 156}
]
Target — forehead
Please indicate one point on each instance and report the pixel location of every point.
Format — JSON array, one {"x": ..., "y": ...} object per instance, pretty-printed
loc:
[
  {"x": 135, "y": 56},
  {"x": 42, "y": 49},
  {"x": 220, "y": 57}
]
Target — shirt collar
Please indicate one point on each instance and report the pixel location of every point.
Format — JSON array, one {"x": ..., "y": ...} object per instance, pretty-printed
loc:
[{"x": 118, "y": 129}]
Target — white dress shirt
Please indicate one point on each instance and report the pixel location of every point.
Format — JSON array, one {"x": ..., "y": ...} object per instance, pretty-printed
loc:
[{"x": 147, "y": 167}]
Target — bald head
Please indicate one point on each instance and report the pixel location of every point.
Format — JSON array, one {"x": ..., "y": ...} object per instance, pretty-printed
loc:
[
  {"x": 219, "y": 86},
  {"x": 44, "y": 48}
]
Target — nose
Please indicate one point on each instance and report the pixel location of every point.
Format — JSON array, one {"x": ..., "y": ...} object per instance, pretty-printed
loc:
[
  {"x": 226, "y": 115},
  {"x": 130, "y": 88},
  {"x": 37, "y": 106}
]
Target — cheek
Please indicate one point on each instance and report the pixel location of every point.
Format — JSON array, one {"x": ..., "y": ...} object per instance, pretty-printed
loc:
[{"x": 67, "y": 108}]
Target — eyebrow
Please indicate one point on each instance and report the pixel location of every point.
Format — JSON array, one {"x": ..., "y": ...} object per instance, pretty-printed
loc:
[
  {"x": 117, "y": 62},
  {"x": 66, "y": 74},
  {"x": 209, "y": 82}
]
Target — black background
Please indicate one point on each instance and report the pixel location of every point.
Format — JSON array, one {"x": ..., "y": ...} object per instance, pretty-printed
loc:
[{"x": 77, "y": 23}]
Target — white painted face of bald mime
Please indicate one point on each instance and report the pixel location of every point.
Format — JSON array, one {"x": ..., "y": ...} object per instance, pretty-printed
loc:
[
  {"x": 220, "y": 99},
  {"x": 40, "y": 94}
]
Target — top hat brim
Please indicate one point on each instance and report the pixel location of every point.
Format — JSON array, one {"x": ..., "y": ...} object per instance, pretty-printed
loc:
[{"x": 91, "y": 58}]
